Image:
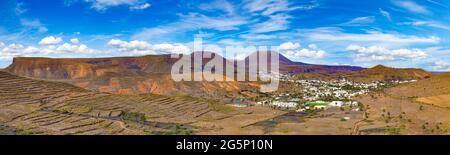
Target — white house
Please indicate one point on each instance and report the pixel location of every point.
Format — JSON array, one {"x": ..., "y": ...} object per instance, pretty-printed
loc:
[
  {"x": 320, "y": 107},
  {"x": 284, "y": 104},
  {"x": 336, "y": 104},
  {"x": 352, "y": 103},
  {"x": 262, "y": 102}
]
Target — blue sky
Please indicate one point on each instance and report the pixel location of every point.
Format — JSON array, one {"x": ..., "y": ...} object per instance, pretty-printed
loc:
[{"x": 398, "y": 33}]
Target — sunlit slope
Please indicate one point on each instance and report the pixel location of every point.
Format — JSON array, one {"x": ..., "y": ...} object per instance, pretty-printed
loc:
[{"x": 42, "y": 107}]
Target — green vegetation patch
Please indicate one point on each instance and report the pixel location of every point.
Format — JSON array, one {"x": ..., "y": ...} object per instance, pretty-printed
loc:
[
  {"x": 24, "y": 132},
  {"x": 182, "y": 130},
  {"x": 222, "y": 108},
  {"x": 392, "y": 131},
  {"x": 133, "y": 117},
  {"x": 81, "y": 109},
  {"x": 318, "y": 103}
]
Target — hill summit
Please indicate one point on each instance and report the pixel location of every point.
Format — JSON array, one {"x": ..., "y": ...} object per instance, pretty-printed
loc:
[{"x": 380, "y": 71}]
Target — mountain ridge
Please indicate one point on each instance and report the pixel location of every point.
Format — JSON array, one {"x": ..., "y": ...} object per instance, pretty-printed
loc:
[
  {"x": 146, "y": 64},
  {"x": 152, "y": 74}
]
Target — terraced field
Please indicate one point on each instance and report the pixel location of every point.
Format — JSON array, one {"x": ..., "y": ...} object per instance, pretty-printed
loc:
[{"x": 40, "y": 107}]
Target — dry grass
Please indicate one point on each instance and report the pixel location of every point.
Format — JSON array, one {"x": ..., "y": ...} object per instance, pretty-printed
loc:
[{"x": 439, "y": 100}]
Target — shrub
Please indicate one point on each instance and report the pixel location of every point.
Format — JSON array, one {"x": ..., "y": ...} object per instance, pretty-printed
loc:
[
  {"x": 133, "y": 116},
  {"x": 181, "y": 130},
  {"x": 24, "y": 132},
  {"x": 392, "y": 131},
  {"x": 81, "y": 109}
]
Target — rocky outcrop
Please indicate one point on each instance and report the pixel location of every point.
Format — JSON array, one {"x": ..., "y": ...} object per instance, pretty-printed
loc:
[{"x": 63, "y": 68}]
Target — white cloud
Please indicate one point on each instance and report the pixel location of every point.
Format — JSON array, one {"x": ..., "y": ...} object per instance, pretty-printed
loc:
[
  {"x": 217, "y": 23},
  {"x": 270, "y": 7},
  {"x": 201, "y": 34},
  {"x": 441, "y": 66},
  {"x": 429, "y": 24},
  {"x": 31, "y": 50},
  {"x": 439, "y": 3},
  {"x": 74, "y": 40},
  {"x": 275, "y": 23},
  {"x": 222, "y": 5},
  {"x": 190, "y": 22},
  {"x": 266, "y": 6},
  {"x": 312, "y": 46},
  {"x": 313, "y": 4},
  {"x": 385, "y": 14},
  {"x": 15, "y": 49},
  {"x": 34, "y": 24},
  {"x": 50, "y": 40},
  {"x": 332, "y": 34},
  {"x": 289, "y": 46},
  {"x": 257, "y": 36},
  {"x": 359, "y": 21},
  {"x": 231, "y": 42},
  {"x": 411, "y": 6},
  {"x": 276, "y": 11},
  {"x": 262, "y": 21},
  {"x": 171, "y": 48},
  {"x": 295, "y": 52},
  {"x": 149, "y": 33},
  {"x": 379, "y": 53},
  {"x": 140, "y": 7},
  {"x": 305, "y": 53},
  {"x": 137, "y": 47},
  {"x": 2, "y": 44},
  {"x": 20, "y": 8},
  {"x": 235, "y": 52},
  {"x": 102, "y": 5},
  {"x": 141, "y": 45},
  {"x": 66, "y": 47}
]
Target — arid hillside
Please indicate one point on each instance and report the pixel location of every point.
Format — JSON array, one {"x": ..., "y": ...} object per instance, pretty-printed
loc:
[
  {"x": 381, "y": 72},
  {"x": 73, "y": 69},
  {"x": 29, "y": 106},
  {"x": 124, "y": 75},
  {"x": 437, "y": 85},
  {"x": 377, "y": 73},
  {"x": 40, "y": 107},
  {"x": 415, "y": 108},
  {"x": 148, "y": 74}
]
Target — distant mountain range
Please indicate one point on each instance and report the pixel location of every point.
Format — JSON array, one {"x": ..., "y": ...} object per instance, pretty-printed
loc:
[
  {"x": 288, "y": 66},
  {"x": 151, "y": 74},
  {"x": 377, "y": 73},
  {"x": 81, "y": 68}
]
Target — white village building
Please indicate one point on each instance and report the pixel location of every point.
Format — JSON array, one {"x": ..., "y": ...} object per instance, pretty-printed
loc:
[{"x": 284, "y": 104}]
